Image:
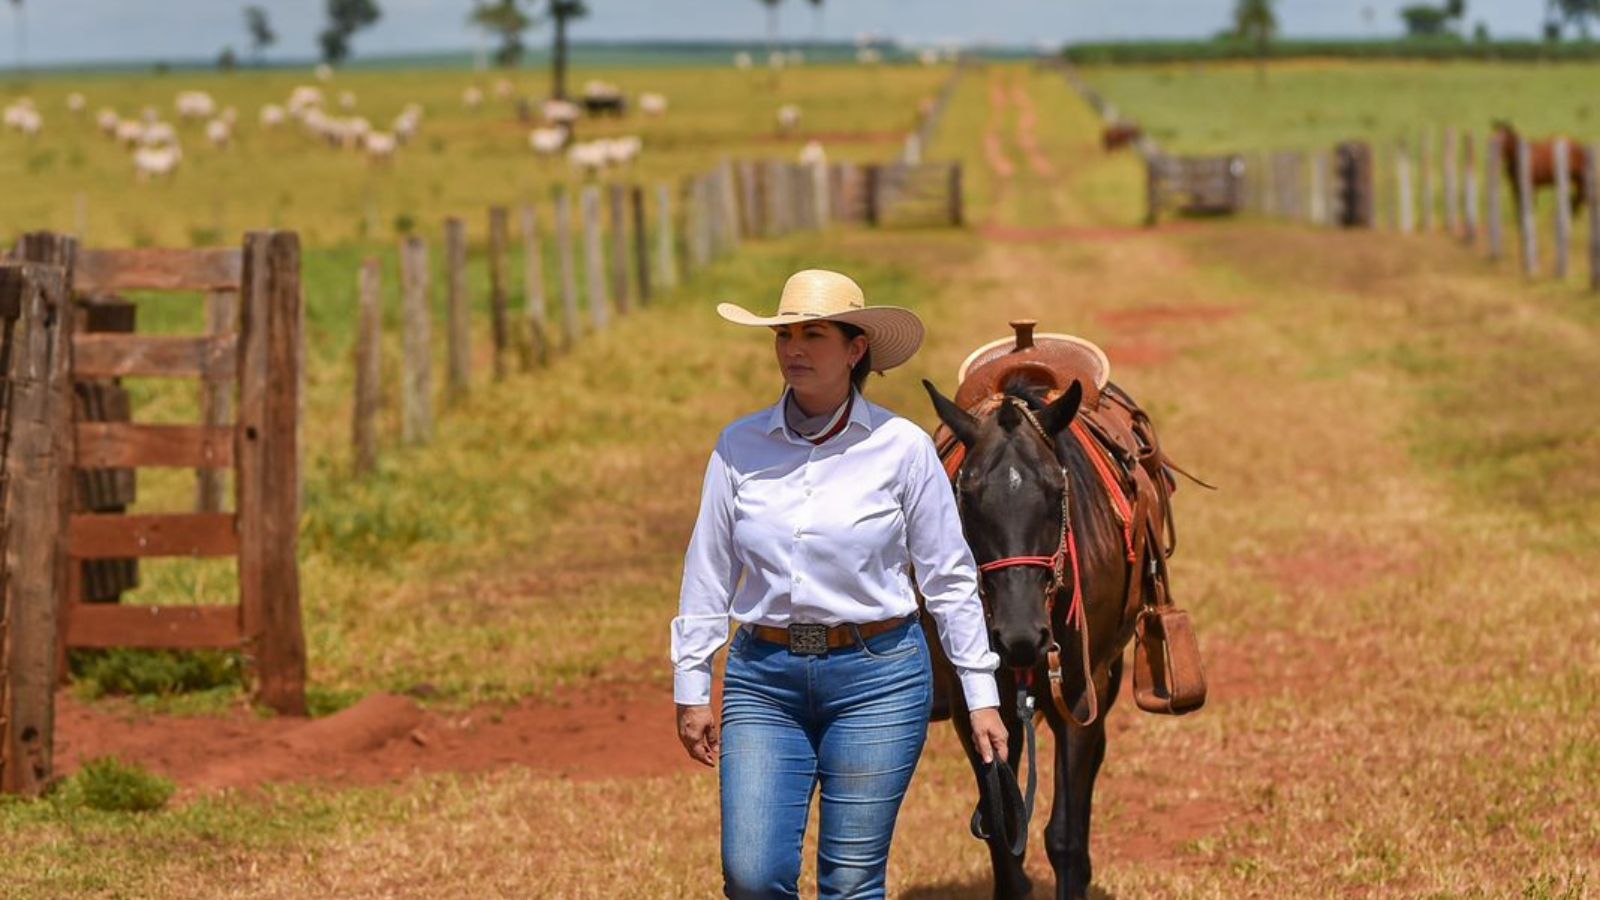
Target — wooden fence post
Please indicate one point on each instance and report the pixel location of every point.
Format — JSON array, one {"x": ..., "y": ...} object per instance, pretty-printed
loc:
[
  {"x": 569, "y": 268},
  {"x": 369, "y": 372},
  {"x": 1493, "y": 164},
  {"x": 1592, "y": 200},
  {"x": 958, "y": 216},
  {"x": 749, "y": 221},
  {"x": 458, "y": 340},
  {"x": 1563, "y": 237},
  {"x": 695, "y": 224},
  {"x": 216, "y": 396},
  {"x": 1406, "y": 198},
  {"x": 1525, "y": 222},
  {"x": 499, "y": 314},
  {"x": 35, "y": 503},
  {"x": 641, "y": 245},
  {"x": 821, "y": 195},
  {"x": 1429, "y": 176},
  {"x": 729, "y": 202},
  {"x": 594, "y": 257},
  {"x": 1452, "y": 182},
  {"x": 416, "y": 408},
  {"x": 1469, "y": 190},
  {"x": 533, "y": 284},
  {"x": 271, "y": 355},
  {"x": 1317, "y": 210},
  {"x": 617, "y": 202},
  {"x": 666, "y": 246},
  {"x": 872, "y": 176}
]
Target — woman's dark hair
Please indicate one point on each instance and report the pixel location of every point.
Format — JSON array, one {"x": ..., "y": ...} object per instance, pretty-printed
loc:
[{"x": 863, "y": 366}]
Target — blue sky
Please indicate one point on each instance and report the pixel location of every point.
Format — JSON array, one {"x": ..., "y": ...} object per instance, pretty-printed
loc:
[{"x": 67, "y": 30}]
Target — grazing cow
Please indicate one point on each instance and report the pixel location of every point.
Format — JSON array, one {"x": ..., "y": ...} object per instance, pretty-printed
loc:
[
  {"x": 788, "y": 118},
  {"x": 1119, "y": 134},
  {"x": 548, "y": 141},
  {"x": 1542, "y": 163},
  {"x": 652, "y": 104},
  {"x": 219, "y": 133}
]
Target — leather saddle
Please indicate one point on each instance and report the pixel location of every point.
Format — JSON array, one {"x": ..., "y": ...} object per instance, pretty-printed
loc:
[{"x": 1168, "y": 675}]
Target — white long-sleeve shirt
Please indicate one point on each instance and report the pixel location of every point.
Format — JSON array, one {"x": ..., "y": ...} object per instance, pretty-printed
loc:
[{"x": 830, "y": 533}]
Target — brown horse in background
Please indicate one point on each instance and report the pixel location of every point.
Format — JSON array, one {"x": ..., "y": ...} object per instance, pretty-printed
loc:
[{"x": 1542, "y": 164}]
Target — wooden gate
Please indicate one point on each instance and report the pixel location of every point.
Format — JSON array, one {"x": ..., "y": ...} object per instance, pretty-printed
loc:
[
  {"x": 1198, "y": 185},
  {"x": 263, "y": 357}
]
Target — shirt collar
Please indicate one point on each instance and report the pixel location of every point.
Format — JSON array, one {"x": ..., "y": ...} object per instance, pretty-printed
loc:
[{"x": 859, "y": 415}]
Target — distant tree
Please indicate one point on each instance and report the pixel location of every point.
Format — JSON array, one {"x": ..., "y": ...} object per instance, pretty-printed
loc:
[
  {"x": 772, "y": 23},
  {"x": 345, "y": 18},
  {"x": 227, "y": 60},
  {"x": 1257, "y": 22},
  {"x": 560, "y": 12},
  {"x": 261, "y": 34},
  {"x": 22, "y": 35},
  {"x": 505, "y": 20},
  {"x": 1423, "y": 20},
  {"x": 1480, "y": 32},
  {"x": 1577, "y": 12}
]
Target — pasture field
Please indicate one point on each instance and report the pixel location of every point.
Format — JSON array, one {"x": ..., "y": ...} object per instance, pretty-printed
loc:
[
  {"x": 462, "y": 161},
  {"x": 1395, "y": 587},
  {"x": 1312, "y": 104}
]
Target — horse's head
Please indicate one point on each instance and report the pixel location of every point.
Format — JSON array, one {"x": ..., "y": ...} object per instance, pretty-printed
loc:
[{"x": 1011, "y": 492}]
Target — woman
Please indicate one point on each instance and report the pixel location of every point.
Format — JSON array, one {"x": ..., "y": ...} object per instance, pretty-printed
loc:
[{"x": 814, "y": 516}]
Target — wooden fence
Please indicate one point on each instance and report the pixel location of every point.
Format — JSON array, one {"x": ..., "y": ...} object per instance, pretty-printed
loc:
[
  {"x": 615, "y": 248},
  {"x": 54, "y": 449},
  {"x": 1449, "y": 182}
]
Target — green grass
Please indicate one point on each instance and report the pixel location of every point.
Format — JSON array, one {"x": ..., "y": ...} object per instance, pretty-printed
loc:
[
  {"x": 461, "y": 162},
  {"x": 1312, "y": 104}
]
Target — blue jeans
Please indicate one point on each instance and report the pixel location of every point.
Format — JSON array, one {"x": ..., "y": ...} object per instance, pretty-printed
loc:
[{"x": 853, "y": 720}]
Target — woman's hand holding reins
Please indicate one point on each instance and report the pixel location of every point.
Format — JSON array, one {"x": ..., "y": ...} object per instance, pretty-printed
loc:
[
  {"x": 988, "y": 734},
  {"x": 697, "y": 729}
]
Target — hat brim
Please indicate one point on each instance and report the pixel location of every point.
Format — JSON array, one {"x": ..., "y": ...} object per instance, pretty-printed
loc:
[{"x": 893, "y": 333}]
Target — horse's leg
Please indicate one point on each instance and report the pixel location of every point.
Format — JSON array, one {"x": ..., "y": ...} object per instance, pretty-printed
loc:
[
  {"x": 1009, "y": 878},
  {"x": 1079, "y": 752}
]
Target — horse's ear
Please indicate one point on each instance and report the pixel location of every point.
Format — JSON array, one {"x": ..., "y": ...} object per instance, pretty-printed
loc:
[
  {"x": 961, "y": 423},
  {"x": 1058, "y": 415}
]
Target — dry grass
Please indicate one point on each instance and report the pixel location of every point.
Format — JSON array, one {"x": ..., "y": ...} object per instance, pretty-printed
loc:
[{"x": 1398, "y": 612}]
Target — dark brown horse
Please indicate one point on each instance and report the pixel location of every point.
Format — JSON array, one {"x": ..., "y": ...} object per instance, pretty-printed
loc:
[
  {"x": 1542, "y": 163},
  {"x": 1022, "y": 472},
  {"x": 1119, "y": 134}
]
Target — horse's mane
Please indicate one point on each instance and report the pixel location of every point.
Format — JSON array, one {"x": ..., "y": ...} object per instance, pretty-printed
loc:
[{"x": 1088, "y": 505}]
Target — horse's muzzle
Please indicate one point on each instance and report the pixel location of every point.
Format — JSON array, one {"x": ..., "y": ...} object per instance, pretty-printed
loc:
[{"x": 1020, "y": 649}]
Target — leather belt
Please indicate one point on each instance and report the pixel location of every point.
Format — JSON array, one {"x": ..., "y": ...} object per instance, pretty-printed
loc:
[{"x": 816, "y": 639}]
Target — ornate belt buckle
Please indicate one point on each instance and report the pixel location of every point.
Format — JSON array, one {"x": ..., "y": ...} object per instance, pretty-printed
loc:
[{"x": 808, "y": 639}]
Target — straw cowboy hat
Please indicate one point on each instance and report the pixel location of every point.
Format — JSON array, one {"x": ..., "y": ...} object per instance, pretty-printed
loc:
[{"x": 893, "y": 334}]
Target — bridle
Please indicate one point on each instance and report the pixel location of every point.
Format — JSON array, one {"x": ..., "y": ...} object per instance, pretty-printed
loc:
[{"x": 1066, "y": 554}]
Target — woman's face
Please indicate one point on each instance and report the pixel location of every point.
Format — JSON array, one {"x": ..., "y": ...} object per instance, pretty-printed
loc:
[{"x": 816, "y": 357}]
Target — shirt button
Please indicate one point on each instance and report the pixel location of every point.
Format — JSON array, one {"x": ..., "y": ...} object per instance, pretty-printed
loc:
[
  {"x": 799, "y": 578},
  {"x": 797, "y": 533}
]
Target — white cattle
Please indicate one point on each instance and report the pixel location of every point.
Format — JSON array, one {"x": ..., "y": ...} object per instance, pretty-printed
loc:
[
  {"x": 323, "y": 71},
  {"x": 272, "y": 115},
  {"x": 380, "y": 146},
  {"x": 195, "y": 105},
  {"x": 560, "y": 112},
  {"x": 503, "y": 88},
  {"x": 652, "y": 104},
  {"x": 623, "y": 150},
  {"x": 76, "y": 103},
  {"x": 107, "y": 121},
  {"x": 156, "y": 162},
  {"x": 130, "y": 131},
  {"x": 472, "y": 97},
  {"x": 788, "y": 117},
  {"x": 548, "y": 141},
  {"x": 590, "y": 157},
  {"x": 347, "y": 100},
  {"x": 158, "y": 134},
  {"x": 868, "y": 56},
  {"x": 812, "y": 154},
  {"x": 742, "y": 60},
  {"x": 219, "y": 133},
  {"x": 304, "y": 98}
]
